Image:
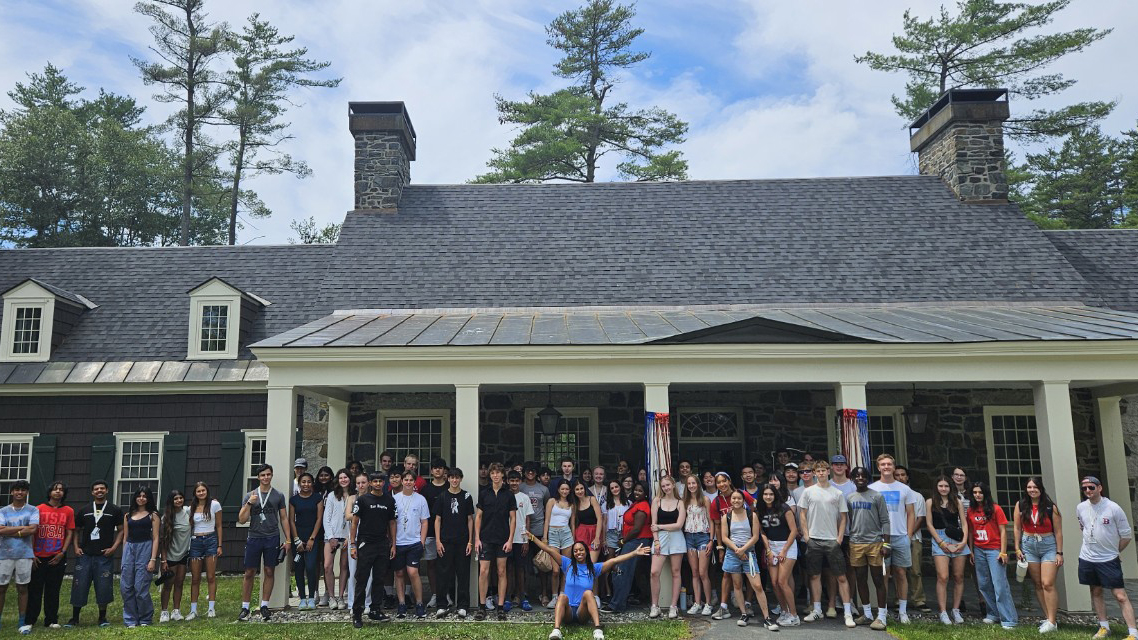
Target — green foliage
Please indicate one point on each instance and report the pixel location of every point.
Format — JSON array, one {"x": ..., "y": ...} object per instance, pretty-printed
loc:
[
  {"x": 308, "y": 233},
  {"x": 77, "y": 172},
  {"x": 564, "y": 135},
  {"x": 259, "y": 83},
  {"x": 991, "y": 44},
  {"x": 1081, "y": 185}
]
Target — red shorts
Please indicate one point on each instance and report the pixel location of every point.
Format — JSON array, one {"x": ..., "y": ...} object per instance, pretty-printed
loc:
[{"x": 586, "y": 533}]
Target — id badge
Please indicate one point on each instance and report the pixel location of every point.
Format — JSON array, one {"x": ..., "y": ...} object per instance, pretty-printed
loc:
[
  {"x": 96, "y": 533},
  {"x": 262, "y": 517}
]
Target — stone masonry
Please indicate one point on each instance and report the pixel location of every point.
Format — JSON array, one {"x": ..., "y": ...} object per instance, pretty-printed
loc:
[
  {"x": 969, "y": 158},
  {"x": 383, "y": 168}
]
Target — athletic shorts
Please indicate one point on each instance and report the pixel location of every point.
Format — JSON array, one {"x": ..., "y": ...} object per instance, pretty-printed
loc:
[
  {"x": 430, "y": 551},
  {"x": 1101, "y": 574},
  {"x": 493, "y": 552},
  {"x": 407, "y": 555},
  {"x": 18, "y": 568},
  {"x": 258, "y": 550},
  {"x": 824, "y": 552}
]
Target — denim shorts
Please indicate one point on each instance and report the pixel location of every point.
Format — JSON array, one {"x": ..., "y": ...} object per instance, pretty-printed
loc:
[
  {"x": 697, "y": 541},
  {"x": 1038, "y": 548},
  {"x": 732, "y": 563},
  {"x": 938, "y": 551},
  {"x": 612, "y": 539},
  {"x": 900, "y": 552},
  {"x": 203, "y": 546},
  {"x": 560, "y": 537}
]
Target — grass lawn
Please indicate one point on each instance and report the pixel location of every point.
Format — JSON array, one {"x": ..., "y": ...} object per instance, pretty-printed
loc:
[
  {"x": 972, "y": 631},
  {"x": 228, "y": 603}
]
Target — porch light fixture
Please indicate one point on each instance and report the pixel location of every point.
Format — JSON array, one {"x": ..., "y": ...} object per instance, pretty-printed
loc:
[
  {"x": 916, "y": 416},
  {"x": 549, "y": 416}
]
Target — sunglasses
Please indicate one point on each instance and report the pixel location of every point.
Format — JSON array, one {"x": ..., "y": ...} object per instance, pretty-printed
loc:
[{"x": 1089, "y": 487}]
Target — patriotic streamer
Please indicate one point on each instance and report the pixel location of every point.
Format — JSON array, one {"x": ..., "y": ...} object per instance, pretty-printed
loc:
[
  {"x": 853, "y": 428},
  {"x": 658, "y": 446}
]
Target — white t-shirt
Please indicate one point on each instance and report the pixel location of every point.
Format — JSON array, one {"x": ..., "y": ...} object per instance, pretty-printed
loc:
[
  {"x": 823, "y": 506},
  {"x": 1104, "y": 525},
  {"x": 410, "y": 512},
  {"x": 846, "y": 487},
  {"x": 201, "y": 524},
  {"x": 796, "y": 494},
  {"x": 525, "y": 508},
  {"x": 897, "y": 495},
  {"x": 919, "y": 510}
]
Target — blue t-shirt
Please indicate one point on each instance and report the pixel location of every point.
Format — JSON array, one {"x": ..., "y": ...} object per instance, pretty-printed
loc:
[
  {"x": 16, "y": 548},
  {"x": 578, "y": 582}
]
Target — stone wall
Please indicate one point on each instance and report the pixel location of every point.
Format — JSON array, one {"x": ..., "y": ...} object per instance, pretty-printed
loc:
[
  {"x": 383, "y": 168},
  {"x": 969, "y": 158},
  {"x": 314, "y": 434}
]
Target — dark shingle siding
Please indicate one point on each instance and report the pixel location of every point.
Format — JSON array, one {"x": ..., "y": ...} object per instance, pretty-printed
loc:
[{"x": 1107, "y": 259}]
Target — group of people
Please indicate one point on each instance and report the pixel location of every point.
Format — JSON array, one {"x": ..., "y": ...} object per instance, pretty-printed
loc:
[{"x": 574, "y": 541}]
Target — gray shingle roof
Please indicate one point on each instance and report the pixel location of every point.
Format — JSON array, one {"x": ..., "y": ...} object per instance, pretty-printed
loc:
[{"x": 1107, "y": 259}]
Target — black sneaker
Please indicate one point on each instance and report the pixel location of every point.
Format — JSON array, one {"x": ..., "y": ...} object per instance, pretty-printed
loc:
[
  {"x": 607, "y": 609},
  {"x": 377, "y": 616},
  {"x": 243, "y": 616},
  {"x": 358, "y": 623},
  {"x": 502, "y": 614},
  {"x": 265, "y": 615},
  {"x": 480, "y": 615}
]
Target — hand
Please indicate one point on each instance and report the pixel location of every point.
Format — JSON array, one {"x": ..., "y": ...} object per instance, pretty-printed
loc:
[
  {"x": 781, "y": 557},
  {"x": 972, "y": 559},
  {"x": 287, "y": 545},
  {"x": 218, "y": 551},
  {"x": 1058, "y": 560},
  {"x": 150, "y": 565},
  {"x": 253, "y": 499},
  {"x": 886, "y": 551},
  {"x": 508, "y": 547},
  {"x": 108, "y": 552},
  {"x": 391, "y": 556},
  {"x": 478, "y": 546},
  {"x": 642, "y": 550},
  {"x": 79, "y": 552},
  {"x": 469, "y": 548},
  {"x": 1003, "y": 558},
  {"x": 439, "y": 548},
  {"x": 165, "y": 567},
  {"x": 655, "y": 528},
  {"x": 354, "y": 553},
  {"x": 1019, "y": 555}
]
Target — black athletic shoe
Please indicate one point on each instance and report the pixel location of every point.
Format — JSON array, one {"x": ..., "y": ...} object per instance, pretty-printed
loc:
[
  {"x": 502, "y": 614},
  {"x": 243, "y": 616},
  {"x": 377, "y": 616},
  {"x": 480, "y": 615},
  {"x": 357, "y": 623},
  {"x": 265, "y": 615}
]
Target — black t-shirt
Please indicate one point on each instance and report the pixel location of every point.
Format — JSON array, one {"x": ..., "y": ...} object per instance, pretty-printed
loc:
[
  {"x": 431, "y": 493},
  {"x": 108, "y": 523},
  {"x": 775, "y": 524},
  {"x": 496, "y": 508},
  {"x": 376, "y": 514},
  {"x": 454, "y": 509}
]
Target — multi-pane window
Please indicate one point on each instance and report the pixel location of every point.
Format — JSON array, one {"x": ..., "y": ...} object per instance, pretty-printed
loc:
[
  {"x": 421, "y": 435},
  {"x": 255, "y": 456},
  {"x": 883, "y": 436},
  {"x": 1014, "y": 456},
  {"x": 15, "y": 464},
  {"x": 139, "y": 465},
  {"x": 26, "y": 339},
  {"x": 709, "y": 425},
  {"x": 214, "y": 328},
  {"x": 571, "y": 439}
]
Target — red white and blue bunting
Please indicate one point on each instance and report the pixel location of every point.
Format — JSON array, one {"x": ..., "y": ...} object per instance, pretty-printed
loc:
[
  {"x": 658, "y": 447},
  {"x": 853, "y": 434}
]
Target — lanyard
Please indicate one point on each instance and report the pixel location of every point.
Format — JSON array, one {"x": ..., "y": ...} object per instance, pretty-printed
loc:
[
  {"x": 97, "y": 513},
  {"x": 1034, "y": 514},
  {"x": 262, "y": 499}
]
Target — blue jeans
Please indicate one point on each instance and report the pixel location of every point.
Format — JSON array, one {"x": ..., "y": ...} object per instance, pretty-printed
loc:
[
  {"x": 92, "y": 570},
  {"x": 993, "y": 581},
  {"x": 306, "y": 574},
  {"x": 623, "y": 574},
  {"x": 137, "y": 604}
]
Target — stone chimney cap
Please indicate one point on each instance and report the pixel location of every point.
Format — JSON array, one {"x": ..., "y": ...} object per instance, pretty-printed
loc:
[{"x": 367, "y": 117}]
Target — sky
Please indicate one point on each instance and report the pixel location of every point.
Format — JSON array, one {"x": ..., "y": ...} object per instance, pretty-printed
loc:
[{"x": 770, "y": 89}]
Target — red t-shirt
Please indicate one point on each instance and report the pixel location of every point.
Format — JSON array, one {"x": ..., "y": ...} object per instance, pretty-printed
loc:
[
  {"x": 721, "y": 505},
  {"x": 1036, "y": 521},
  {"x": 55, "y": 522},
  {"x": 985, "y": 532},
  {"x": 629, "y": 518}
]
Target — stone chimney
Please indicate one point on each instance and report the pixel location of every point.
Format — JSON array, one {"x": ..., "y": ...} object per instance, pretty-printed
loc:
[
  {"x": 961, "y": 139},
  {"x": 385, "y": 147}
]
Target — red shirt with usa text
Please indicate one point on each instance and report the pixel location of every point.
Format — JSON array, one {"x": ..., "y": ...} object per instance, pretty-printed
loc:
[{"x": 55, "y": 522}]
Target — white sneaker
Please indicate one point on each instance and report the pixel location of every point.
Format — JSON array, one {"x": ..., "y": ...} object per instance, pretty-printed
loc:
[
  {"x": 598, "y": 634},
  {"x": 723, "y": 613},
  {"x": 988, "y": 620},
  {"x": 792, "y": 621},
  {"x": 176, "y": 615},
  {"x": 555, "y": 634},
  {"x": 944, "y": 619},
  {"x": 55, "y": 625},
  {"x": 25, "y": 630},
  {"x": 461, "y": 613},
  {"x": 956, "y": 617},
  {"x": 813, "y": 616},
  {"x": 490, "y": 603},
  {"x": 673, "y": 613},
  {"x": 211, "y": 614},
  {"x": 431, "y": 603},
  {"x": 551, "y": 605},
  {"x": 165, "y": 617},
  {"x": 694, "y": 609},
  {"x": 1048, "y": 627},
  {"x": 654, "y": 612},
  {"x": 323, "y": 601},
  {"x": 850, "y": 624},
  {"x": 191, "y": 616},
  {"x": 903, "y": 618},
  {"x": 707, "y": 610}
]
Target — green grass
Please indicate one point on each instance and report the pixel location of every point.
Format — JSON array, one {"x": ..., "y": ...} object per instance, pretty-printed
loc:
[
  {"x": 228, "y": 602},
  {"x": 974, "y": 631}
]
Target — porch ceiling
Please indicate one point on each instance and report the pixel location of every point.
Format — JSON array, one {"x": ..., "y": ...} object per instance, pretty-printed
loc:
[{"x": 738, "y": 324}]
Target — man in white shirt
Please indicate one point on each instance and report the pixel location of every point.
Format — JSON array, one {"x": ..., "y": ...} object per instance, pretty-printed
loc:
[
  {"x": 822, "y": 516},
  {"x": 916, "y": 544},
  {"x": 839, "y": 467},
  {"x": 516, "y": 562},
  {"x": 901, "y": 503},
  {"x": 412, "y": 514},
  {"x": 1106, "y": 533}
]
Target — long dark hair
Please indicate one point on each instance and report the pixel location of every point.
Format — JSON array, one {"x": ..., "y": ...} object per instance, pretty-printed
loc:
[
  {"x": 610, "y": 499},
  {"x": 987, "y": 508},
  {"x": 573, "y": 560},
  {"x": 340, "y": 491},
  {"x": 149, "y": 495},
  {"x": 1046, "y": 505},
  {"x": 952, "y": 498},
  {"x": 781, "y": 491},
  {"x": 324, "y": 488},
  {"x": 166, "y": 535},
  {"x": 777, "y": 507},
  {"x": 206, "y": 505}
]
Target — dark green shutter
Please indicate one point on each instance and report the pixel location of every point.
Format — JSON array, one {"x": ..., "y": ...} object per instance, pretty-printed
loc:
[
  {"x": 43, "y": 467},
  {"x": 173, "y": 465},
  {"x": 103, "y": 460},
  {"x": 231, "y": 487}
]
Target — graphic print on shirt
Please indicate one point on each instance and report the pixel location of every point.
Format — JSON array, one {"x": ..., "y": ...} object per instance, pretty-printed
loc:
[{"x": 454, "y": 506}]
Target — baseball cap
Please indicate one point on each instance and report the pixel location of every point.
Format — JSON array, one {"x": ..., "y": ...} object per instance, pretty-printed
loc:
[
  {"x": 1093, "y": 480},
  {"x": 790, "y": 465},
  {"x": 838, "y": 459},
  {"x": 300, "y": 462}
]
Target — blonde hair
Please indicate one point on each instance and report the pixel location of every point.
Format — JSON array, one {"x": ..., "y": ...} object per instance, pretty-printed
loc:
[
  {"x": 660, "y": 487},
  {"x": 695, "y": 497}
]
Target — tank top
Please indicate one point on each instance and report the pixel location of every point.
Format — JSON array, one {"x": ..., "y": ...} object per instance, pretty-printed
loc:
[
  {"x": 943, "y": 519},
  {"x": 667, "y": 517},
  {"x": 1036, "y": 522},
  {"x": 697, "y": 520},
  {"x": 559, "y": 516},
  {"x": 741, "y": 530},
  {"x": 586, "y": 516},
  {"x": 138, "y": 530}
]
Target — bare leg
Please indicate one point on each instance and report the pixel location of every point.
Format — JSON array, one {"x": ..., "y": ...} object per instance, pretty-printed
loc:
[
  {"x": 179, "y": 582},
  {"x": 760, "y": 595},
  {"x": 400, "y": 591},
  {"x": 329, "y": 570},
  {"x": 1033, "y": 571},
  {"x": 267, "y": 582},
  {"x": 696, "y": 582},
  {"x": 657, "y": 567},
  {"x": 503, "y": 581},
  {"x": 862, "y": 582},
  {"x": 880, "y": 586},
  {"x": 247, "y": 585},
  {"x": 560, "y": 610},
  {"x": 588, "y": 607},
  {"x": 195, "y": 579},
  {"x": 941, "y": 563},
  {"x": 901, "y": 582},
  {"x": 1047, "y": 572},
  {"x": 677, "y": 561},
  {"x": 343, "y": 572},
  {"x": 737, "y": 586},
  {"x": 211, "y": 577},
  {"x": 786, "y": 584},
  {"x": 1124, "y": 604},
  {"x": 417, "y": 584},
  {"x": 705, "y": 575},
  {"x": 483, "y": 582},
  {"x": 958, "y": 579}
]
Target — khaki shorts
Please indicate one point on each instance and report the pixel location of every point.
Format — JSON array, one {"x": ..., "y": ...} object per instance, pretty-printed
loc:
[{"x": 863, "y": 554}]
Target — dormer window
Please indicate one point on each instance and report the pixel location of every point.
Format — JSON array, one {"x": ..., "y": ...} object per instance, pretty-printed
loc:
[
  {"x": 26, "y": 340},
  {"x": 219, "y": 315},
  {"x": 37, "y": 317}
]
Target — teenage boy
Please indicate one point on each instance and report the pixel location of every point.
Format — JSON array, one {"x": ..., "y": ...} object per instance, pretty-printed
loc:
[
  {"x": 901, "y": 502},
  {"x": 839, "y": 475},
  {"x": 264, "y": 510},
  {"x": 100, "y": 534},
  {"x": 790, "y": 472},
  {"x": 747, "y": 475},
  {"x": 760, "y": 471},
  {"x": 682, "y": 472},
  {"x": 494, "y": 525},
  {"x": 454, "y": 529},
  {"x": 412, "y": 514},
  {"x": 782, "y": 457},
  {"x": 299, "y": 468},
  {"x": 56, "y": 529},
  {"x": 520, "y": 553},
  {"x": 567, "y": 468},
  {"x": 839, "y": 480},
  {"x": 806, "y": 476},
  {"x": 18, "y": 523},
  {"x": 916, "y": 543},
  {"x": 386, "y": 459},
  {"x": 1106, "y": 534},
  {"x": 538, "y": 495},
  {"x": 484, "y": 475},
  {"x": 430, "y": 492},
  {"x": 370, "y": 534},
  {"x": 822, "y": 516},
  {"x": 869, "y": 544}
]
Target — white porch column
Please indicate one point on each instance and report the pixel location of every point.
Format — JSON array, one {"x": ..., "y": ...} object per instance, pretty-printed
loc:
[
  {"x": 656, "y": 401},
  {"x": 337, "y": 433},
  {"x": 1057, "y": 453},
  {"x": 280, "y": 447},
  {"x": 466, "y": 447},
  {"x": 1115, "y": 477},
  {"x": 850, "y": 395}
]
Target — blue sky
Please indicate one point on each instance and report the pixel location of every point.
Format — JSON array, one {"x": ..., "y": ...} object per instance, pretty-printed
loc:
[{"x": 770, "y": 89}]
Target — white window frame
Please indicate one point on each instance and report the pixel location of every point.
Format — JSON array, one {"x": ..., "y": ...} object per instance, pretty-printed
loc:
[
  {"x": 900, "y": 433},
  {"x": 21, "y": 438},
  {"x": 251, "y": 435},
  {"x": 135, "y": 436},
  {"x": 989, "y": 440},
  {"x": 27, "y": 295},
  {"x": 214, "y": 293},
  {"x": 383, "y": 415},
  {"x": 592, "y": 414},
  {"x": 738, "y": 420}
]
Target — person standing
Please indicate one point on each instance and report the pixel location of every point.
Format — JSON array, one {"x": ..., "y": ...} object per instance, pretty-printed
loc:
[
  {"x": 412, "y": 514},
  {"x": 1038, "y": 538},
  {"x": 636, "y": 532},
  {"x": 361, "y": 487},
  {"x": 265, "y": 510},
  {"x": 948, "y": 527},
  {"x": 100, "y": 534},
  {"x": 916, "y": 543},
  {"x": 822, "y": 516},
  {"x": 454, "y": 529},
  {"x": 370, "y": 537},
  {"x": 901, "y": 502},
  {"x": 538, "y": 496},
  {"x": 750, "y": 485},
  {"x": 669, "y": 545},
  {"x": 517, "y": 560},
  {"x": 780, "y": 530},
  {"x": 740, "y": 531},
  {"x": 989, "y": 553},
  {"x": 566, "y": 476},
  {"x": 839, "y": 480},
  {"x": 139, "y": 559},
  {"x": 494, "y": 525},
  {"x": 697, "y": 536},
  {"x": 334, "y": 522},
  {"x": 306, "y": 514},
  {"x": 173, "y": 553},
  {"x": 430, "y": 492},
  {"x": 1106, "y": 534},
  {"x": 299, "y": 467},
  {"x": 53, "y": 537},
  {"x": 411, "y": 463},
  {"x": 869, "y": 544},
  {"x": 18, "y": 523},
  {"x": 205, "y": 548}
]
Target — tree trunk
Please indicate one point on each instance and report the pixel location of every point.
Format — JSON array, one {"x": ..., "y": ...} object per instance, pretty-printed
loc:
[
  {"x": 187, "y": 164},
  {"x": 238, "y": 162}
]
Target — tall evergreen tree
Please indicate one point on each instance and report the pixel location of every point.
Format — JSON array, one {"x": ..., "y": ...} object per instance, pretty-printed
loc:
[
  {"x": 991, "y": 44},
  {"x": 1080, "y": 185},
  {"x": 565, "y": 134}
]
